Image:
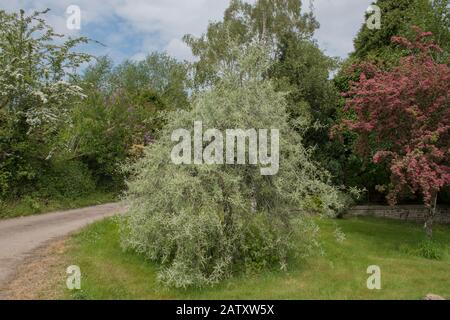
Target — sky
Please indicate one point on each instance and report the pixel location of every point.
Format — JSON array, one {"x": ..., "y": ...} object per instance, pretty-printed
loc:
[{"x": 129, "y": 29}]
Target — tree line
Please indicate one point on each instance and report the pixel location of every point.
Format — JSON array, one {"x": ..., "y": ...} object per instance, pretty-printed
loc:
[{"x": 380, "y": 124}]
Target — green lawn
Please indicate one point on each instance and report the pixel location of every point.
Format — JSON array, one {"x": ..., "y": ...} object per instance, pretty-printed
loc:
[
  {"x": 29, "y": 206},
  {"x": 109, "y": 273}
]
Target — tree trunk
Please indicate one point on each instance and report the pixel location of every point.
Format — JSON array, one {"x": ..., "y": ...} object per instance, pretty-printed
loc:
[
  {"x": 254, "y": 201},
  {"x": 430, "y": 218},
  {"x": 227, "y": 209}
]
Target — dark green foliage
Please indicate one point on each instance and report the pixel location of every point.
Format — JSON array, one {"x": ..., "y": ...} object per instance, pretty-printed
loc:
[
  {"x": 64, "y": 179},
  {"x": 107, "y": 131},
  {"x": 397, "y": 18},
  {"x": 262, "y": 248},
  {"x": 394, "y": 15},
  {"x": 124, "y": 112},
  {"x": 157, "y": 72},
  {"x": 271, "y": 20}
]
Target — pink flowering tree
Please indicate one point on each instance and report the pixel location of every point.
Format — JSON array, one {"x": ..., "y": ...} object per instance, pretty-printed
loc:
[{"x": 402, "y": 118}]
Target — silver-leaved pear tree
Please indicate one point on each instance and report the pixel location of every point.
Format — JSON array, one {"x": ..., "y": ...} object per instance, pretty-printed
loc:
[{"x": 203, "y": 223}]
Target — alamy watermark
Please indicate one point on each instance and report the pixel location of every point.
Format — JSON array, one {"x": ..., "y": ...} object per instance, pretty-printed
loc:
[
  {"x": 73, "y": 281},
  {"x": 73, "y": 21},
  {"x": 374, "y": 281},
  {"x": 374, "y": 20},
  {"x": 214, "y": 147}
]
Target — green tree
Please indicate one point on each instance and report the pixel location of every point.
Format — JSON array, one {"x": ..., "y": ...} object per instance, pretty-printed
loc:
[
  {"x": 303, "y": 70},
  {"x": 266, "y": 20},
  {"x": 123, "y": 113},
  {"x": 397, "y": 18},
  {"x": 300, "y": 67},
  {"x": 36, "y": 91},
  {"x": 158, "y": 72}
]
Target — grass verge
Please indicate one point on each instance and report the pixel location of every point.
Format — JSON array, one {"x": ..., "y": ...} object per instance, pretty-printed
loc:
[
  {"x": 30, "y": 206},
  {"x": 340, "y": 273}
]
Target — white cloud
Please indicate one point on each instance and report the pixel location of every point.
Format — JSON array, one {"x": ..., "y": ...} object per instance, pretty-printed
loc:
[
  {"x": 91, "y": 11},
  {"x": 138, "y": 56},
  {"x": 339, "y": 23},
  {"x": 179, "y": 50},
  {"x": 161, "y": 24},
  {"x": 171, "y": 18}
]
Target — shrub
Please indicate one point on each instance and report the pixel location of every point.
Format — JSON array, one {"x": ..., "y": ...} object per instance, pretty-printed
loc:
[
  {"x": 32, "y": 204},
  {"x": 66, "y": 179}
]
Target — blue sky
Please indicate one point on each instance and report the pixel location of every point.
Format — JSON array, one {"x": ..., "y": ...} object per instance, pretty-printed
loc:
[{"x": 132, "y": 28}]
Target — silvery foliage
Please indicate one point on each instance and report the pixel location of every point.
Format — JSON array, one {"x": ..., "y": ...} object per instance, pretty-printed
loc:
[
  {"x": 200, "y": 222},
  {"x": 36, "y": 69}
]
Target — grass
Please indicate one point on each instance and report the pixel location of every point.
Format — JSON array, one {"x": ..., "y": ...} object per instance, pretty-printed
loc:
[
  {"x": 110, "y": 273},
  {"x": 30, "y": 206}
]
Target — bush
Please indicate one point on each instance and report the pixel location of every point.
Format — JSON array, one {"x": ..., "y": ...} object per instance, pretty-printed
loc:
[
  {"x": 32, "y": 204},
  {"x": 64, "y": 179},
  {"x": 263, "y": 246}
]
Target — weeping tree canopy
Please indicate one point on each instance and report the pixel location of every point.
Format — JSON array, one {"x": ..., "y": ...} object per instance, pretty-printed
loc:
[{"x": 204, "y": 222}]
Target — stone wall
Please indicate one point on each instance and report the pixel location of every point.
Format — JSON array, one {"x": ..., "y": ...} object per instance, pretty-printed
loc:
[{"x": 405, "y": 212}]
